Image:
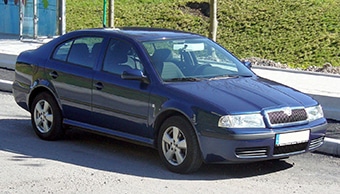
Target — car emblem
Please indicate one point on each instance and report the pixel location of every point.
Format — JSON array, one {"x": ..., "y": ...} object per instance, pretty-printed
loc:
[{"x": 287, "y": 111}]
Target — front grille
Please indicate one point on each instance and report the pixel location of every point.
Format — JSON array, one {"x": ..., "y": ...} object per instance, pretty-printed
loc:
[
  {"x": 286, "y": 116},
  {"x": 290, "y": 148},
  {"x": 251, "y": 152},
  {"x": 316, "y": 143}
]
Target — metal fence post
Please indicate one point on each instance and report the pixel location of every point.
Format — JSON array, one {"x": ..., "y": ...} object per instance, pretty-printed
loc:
[
  {"x": 61, "y": 17},
  {"x": 35, "y": 19}
]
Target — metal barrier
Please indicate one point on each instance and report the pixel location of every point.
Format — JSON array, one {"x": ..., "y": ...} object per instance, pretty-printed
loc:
[{"x": 32, "y": 18}]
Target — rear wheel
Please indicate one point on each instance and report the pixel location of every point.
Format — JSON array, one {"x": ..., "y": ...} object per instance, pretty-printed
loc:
[
  {"x": 46, "y": 117},
  {"x": 178, "y": 146}
]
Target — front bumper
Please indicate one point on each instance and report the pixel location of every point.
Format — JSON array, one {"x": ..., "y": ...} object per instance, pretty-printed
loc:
[{"x": 251, "y": 147}]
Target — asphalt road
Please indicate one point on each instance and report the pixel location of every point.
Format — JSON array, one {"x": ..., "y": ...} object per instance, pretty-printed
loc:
[{"x": 87, "y": 163}]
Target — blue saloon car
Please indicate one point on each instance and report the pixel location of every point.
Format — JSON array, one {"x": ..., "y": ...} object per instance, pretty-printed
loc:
[{"x": 178, "y": 92}]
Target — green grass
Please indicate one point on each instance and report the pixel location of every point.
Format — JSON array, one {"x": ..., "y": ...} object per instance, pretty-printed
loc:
[{"x": 299, "y": 33}]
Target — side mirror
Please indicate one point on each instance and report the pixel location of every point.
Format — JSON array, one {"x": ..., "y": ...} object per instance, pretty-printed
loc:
[
  {"x": 247, "y": 64},
  {"x": 135, "y": 74}
]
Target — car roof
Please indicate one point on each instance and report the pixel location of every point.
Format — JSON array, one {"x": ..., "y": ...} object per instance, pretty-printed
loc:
[
  {"x": 143, "y": 33},
  {"x": 139, "y": 34}
]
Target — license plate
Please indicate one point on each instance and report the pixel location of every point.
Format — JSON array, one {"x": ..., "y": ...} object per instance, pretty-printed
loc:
[{"x": 291, "y": 138}]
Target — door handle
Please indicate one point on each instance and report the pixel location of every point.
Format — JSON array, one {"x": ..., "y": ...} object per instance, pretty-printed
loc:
[
  {"x": 98, "y": 85},
  {"x": 54, "y": 74}
]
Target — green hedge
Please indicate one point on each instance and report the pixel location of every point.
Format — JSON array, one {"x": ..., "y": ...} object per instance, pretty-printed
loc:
[{"x": 299, "y": 33}]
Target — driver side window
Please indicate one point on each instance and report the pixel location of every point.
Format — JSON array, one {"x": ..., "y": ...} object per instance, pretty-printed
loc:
[{"x": 121, "y": 56}]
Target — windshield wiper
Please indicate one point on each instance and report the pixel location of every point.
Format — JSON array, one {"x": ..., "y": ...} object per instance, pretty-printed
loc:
[
  {"x": 229, "y": 76},
  {"x": 245, "y": 75},
  {"x": 223, "y": 77},
  {"x": 180, "y": 79}
]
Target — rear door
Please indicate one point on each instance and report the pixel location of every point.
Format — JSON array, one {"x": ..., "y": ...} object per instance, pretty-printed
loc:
[{"x": 70, "y": 70}]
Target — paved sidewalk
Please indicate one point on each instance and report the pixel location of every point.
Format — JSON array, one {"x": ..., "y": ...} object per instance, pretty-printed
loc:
[
  {"x": 323, "y": 87},
  {"x": 6, "y": 79}
]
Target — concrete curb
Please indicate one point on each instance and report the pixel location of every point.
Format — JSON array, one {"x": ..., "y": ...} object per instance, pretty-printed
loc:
[
  {"x": 8, "y": 61},
  {"x": 6, "y": 85},
  {"x": 330, "y": 146}
]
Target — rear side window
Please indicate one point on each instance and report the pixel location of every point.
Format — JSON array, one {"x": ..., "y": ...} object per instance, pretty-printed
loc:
[
  {"x": 82, "y": 51},
  {"x": 62, "y": 51}
]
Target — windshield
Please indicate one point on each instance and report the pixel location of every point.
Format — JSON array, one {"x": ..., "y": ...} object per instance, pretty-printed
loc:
[{"x": 193, "y": 59}]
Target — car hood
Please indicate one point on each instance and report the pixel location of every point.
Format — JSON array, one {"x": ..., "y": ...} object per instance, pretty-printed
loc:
[{"x": 240, "y": 95}]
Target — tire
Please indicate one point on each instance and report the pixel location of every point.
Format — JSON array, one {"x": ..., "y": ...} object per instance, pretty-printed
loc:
[
  {"x": 46, "y": 117},
  {"x": 178, "y": 146}
]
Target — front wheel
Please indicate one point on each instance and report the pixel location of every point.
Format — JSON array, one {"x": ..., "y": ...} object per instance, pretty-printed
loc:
[
  {"x": 178, "y": 146},
  {"x": 46, "y": 117}
]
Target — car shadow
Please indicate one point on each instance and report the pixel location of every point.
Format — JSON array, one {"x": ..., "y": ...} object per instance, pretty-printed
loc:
[{"x": 103, "y": 153}]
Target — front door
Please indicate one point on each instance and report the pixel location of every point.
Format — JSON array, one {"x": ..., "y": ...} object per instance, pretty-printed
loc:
[{"x": 119, "y": 104}]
